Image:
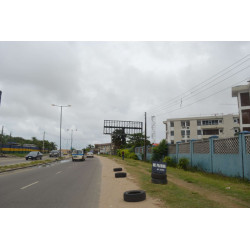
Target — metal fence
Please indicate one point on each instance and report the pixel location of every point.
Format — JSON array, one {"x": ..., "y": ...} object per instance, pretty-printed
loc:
[{"x": 227, "y": 156}]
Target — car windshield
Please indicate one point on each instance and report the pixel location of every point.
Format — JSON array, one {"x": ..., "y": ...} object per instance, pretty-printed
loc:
[
  {"x": 33, "y": 153},
  {"x": 77, "y": 152}
]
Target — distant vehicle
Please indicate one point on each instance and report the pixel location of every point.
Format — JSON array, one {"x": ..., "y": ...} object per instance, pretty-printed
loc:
[
  {"x": 54, "y": 153},
  {"x": 90, "y": 154},
  {"x": 78, "y": 155},
  {"x": 34, "y": 155}
]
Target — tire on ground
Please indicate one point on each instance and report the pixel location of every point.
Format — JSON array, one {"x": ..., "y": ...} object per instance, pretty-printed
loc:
[
  {"x": 120, "y": 175},
  {"x": 117, "y": 169},
  {"x": 159, "y": 176},
  {"x": 159, "y": 181},
  {"x": 134, "y": 195}
]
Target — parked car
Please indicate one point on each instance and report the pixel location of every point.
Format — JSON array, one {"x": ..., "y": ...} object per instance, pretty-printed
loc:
[
  {"x": 78, "y": 155},
  {"x": 90, "y": 155},
  {"x": 54, "y": 153},
  {"x": 34, "y": 155}
]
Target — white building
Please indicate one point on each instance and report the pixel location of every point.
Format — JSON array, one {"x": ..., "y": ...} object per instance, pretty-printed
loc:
[
  {"x": 242, "y": 92},
  {"x": 186, "y": 129}
]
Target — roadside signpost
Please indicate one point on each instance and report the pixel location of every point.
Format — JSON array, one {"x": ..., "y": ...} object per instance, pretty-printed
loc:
[
  {"x": 159, "y": 167},
  {"x": 159, "y": 172}
]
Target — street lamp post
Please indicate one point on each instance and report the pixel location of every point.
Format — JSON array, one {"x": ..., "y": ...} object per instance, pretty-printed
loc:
[
  {"x": 72, "y": 130},
  {"x": 61, "y": 106}
]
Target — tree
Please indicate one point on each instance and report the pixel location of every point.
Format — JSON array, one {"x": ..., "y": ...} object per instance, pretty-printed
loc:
[
  {"x": 119, "y": 138},
  {"x": 160, "y": 151},
  {"x": 137, "y": 140}
]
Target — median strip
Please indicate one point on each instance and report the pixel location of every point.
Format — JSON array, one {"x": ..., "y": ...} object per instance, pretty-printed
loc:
[{"x": 30, "y": 185}]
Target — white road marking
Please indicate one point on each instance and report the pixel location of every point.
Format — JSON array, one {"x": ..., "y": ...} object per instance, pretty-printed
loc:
[
  {"x": 30, "y": 185},
  {"x": 59, "y": 172}
]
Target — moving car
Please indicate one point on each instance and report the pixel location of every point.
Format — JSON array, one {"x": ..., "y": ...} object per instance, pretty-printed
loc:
[
  {"x": 54, "y": 153},
  {"x": 90, "y": 154},
  {"x": 78, "y": 155},
  {"x": 34, "y": 155}
]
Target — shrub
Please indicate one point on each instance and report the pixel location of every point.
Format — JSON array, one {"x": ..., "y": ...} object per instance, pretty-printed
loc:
[
  {"x": 183, "y": 163},
  {"x": 127, "y": 154},
  {"x": 170, "y": 161},
  {"x": 133, "y": 156}
]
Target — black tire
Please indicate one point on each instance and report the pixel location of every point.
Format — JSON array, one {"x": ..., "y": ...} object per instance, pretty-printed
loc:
[
  {"x": 159, "y": 176},
  {"x": 117, "y": 169},
  {"x": 134, "y": 195},
  {"x": 120, "y": 175},
  {"x": 159, "y": 181}
]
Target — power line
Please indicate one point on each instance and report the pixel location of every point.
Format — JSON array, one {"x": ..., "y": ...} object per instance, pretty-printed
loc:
[
  {"x": 200, "y": 84},
  {"x": 200, "y": 99},
  {"x": 169, "y": 106}
]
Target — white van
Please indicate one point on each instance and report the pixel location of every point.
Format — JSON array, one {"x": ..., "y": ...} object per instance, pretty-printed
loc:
[{"x": 78, "y": 155}]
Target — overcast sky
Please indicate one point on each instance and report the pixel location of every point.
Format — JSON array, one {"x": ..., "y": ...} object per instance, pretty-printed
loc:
[{"x": 113, "y": 80}]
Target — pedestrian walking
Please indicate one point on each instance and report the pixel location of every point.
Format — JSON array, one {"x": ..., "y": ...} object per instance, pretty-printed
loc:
[{"x": 123, "y": 155}]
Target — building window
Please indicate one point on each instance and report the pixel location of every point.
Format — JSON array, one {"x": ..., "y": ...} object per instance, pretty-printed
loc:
[
  {"x": 185, "y": 124},
  {"x": 244, "y": 99},
  {"x": 246, "y": 116},
  {"x": 188, "y": 132},
  {"x": 183, "y": 132},
  {"x": 246, "y": 129},
  {"x": 198, "y": 132},
  {"x": 210, "y": 122},
  {"x": 172, "y": 142},
  {"x": 172, "y": 133},
  {"x": 236, "y": 120},
  {"x": 171, "y": 124},
  {"x": 210, "y": 131},
  {"x": 198, "y": 122}
]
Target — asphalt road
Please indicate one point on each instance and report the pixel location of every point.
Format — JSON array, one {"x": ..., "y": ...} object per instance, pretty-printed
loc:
[{"x": 63, "y": 184}]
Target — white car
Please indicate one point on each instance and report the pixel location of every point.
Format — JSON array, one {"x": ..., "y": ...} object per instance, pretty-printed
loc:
[
  {"x": 78, "y": 155},
  {"x": 90, "y": 154}
]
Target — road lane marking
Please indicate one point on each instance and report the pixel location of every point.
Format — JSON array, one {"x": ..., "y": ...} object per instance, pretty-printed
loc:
[
  {"x": 30, "y": 185},
  {"x": 59, "y": 172}
]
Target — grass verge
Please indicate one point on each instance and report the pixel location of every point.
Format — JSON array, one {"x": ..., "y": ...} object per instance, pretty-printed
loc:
[
  {"x": 25, "y": 165},
  {"x": 176, "y": 196}
]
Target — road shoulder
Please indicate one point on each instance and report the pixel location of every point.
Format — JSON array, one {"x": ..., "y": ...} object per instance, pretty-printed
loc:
[{"x": 112, "y": 189}]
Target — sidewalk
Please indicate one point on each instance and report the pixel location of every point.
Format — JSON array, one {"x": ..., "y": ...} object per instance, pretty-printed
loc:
[{"x": 112, "y": 188}]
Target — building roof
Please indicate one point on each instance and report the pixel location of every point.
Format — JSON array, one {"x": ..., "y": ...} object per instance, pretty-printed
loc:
[
  {"x": 219, "y": 116},
  {"x": 240, "y": 88}
]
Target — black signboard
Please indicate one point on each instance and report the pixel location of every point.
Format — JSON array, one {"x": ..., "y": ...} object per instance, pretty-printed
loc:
[{"x": 159, "y": 167}]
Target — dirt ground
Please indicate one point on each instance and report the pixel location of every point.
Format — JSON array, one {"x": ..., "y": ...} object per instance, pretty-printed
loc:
[{"x": 112, "y": 188}]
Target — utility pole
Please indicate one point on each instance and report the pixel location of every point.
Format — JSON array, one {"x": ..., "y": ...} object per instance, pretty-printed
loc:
[
  {"x": 145, "y": 139},
  {"x": 43, "y": 140},
  {"x": 2, "y": 140}
]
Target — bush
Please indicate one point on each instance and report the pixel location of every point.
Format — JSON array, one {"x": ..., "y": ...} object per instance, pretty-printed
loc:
[
  {"x": 170, "y": 161},
  {"x": 183, "y": 163},
  {"x": 133, "y": 156},
  {"x": 127, "y": 154}
]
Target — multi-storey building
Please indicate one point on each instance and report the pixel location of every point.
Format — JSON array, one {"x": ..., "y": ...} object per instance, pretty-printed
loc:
[
  {"x": 242, "y": 92},
  {"x": 104, "y": 148},
  {"x": 186, "y": 129}
]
